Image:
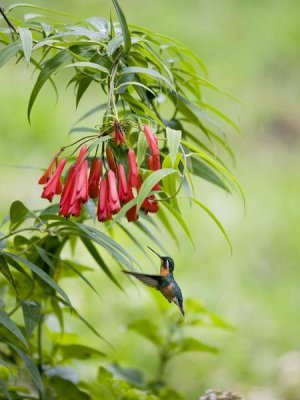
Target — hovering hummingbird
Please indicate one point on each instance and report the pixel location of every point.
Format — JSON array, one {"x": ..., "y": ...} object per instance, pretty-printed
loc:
[{"x": 164, "y": 282}]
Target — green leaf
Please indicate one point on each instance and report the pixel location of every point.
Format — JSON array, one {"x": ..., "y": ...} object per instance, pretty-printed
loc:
[
  {"x": 214, "y": 218},
  {"x": 66, "y": 390},
  {"x": 147, "y": 329},
  {"x": 200, "y": 169},
  {"x": 134, "y": 83},
  {"x": 26, "y": 41},
  {"x": 45, "y": 277},
  {"x": 8, "y": 52},
  {"x": 88, "y": 65},
  {"x": 146, "y": 71},
  {"x": 34, "y": 372},
  {"x": 99, "y": 260},
  {"x": 4, "y": 390},
  {"x": 79, "y": 351},
  {"x": 5, "y": 271},
  {"x": 142, "y": 147},
  {"x": 12, "y": 327},
  {"x": 217, "y": 166},
  {"x": 31, "y": 314},
  {"x": 124, "y": 26},
  {"x": 173, "y": 142},
  {"x": 191, "y": 344},
  {"x": 150, "y": 181},
  {"x": 17, "y": 213},
  {"x": 113, "y": 45},
  {"x": 48, "y": 69}
]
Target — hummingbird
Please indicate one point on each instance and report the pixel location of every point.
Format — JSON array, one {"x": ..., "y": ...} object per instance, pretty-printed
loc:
[{"x": 164, "y": 282}]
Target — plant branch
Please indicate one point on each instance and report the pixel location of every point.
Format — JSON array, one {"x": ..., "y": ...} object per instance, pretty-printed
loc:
[{"x": 2, "y": 12}]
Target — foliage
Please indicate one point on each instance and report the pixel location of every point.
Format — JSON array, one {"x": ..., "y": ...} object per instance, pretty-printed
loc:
[{"x": 149, "y": 79}]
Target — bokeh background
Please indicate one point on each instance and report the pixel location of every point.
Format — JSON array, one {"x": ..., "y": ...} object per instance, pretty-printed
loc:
[{"x": 251, "y": 49}]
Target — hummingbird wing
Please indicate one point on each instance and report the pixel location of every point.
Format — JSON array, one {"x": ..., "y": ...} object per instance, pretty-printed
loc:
[{"x": 148, "y": 279}]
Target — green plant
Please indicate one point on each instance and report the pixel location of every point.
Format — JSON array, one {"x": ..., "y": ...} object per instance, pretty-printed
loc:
[{"x": 145, "y": 79}]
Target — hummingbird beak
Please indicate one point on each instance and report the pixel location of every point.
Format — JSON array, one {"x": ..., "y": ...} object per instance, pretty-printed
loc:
[{"x": 154, "y": 252}]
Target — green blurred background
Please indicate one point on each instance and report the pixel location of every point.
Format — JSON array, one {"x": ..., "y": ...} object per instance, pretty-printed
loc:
[{"x": 251, "y": 49}]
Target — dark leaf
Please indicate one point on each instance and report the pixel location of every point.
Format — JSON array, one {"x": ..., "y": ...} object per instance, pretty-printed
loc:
[
  {"x": 12, "y": 327},
  {"x": 18, "y": 213},
  {"x": 31, "y": 314},
  {"x": 79, "y": 351},
  {"x": 34, "y": 372},
  {"x": 48, "y": 69},
  {"x": 36, "y": 270}
]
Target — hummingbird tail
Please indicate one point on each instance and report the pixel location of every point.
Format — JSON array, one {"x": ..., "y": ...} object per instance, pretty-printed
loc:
[{"x": 179, "y": 304}]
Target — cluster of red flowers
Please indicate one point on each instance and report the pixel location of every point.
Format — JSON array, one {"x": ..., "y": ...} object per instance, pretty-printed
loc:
[{"x": 112, "y": 188}]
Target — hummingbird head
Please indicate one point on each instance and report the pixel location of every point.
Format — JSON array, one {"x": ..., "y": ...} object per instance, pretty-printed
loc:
[{"x": 166, "y": 262}]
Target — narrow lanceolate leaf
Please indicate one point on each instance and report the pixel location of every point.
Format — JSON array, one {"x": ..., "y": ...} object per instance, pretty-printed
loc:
[
  {"x": 214, "y": 218},
  {"x": 146, "y": 71},
  {"x": 32, "y": 368},
  {"x": 151, "y": 181},
  {"x": 26, "y": 41},
  {"x": 88, "y": 65},
  {"x": 176, "y": 214},
  {"x": 48, "y": 69},
  {"x": 99, "y": 260},
  {"x": 113, "y": 45},
  {"x": 4, "y": 389},
  {"x": 12, "y": 327},
  {"x": 173, "y": 142},
  {"x": 36, "y": 270},
  {"x": 124, "y": 26},
  {"x": 8, "y": 52}
]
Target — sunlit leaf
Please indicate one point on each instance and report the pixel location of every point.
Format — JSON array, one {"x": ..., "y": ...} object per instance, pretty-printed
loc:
[
  {"x": 190, "y": 344},
  {"x": 26, "y": 41},
  {"x": 8, "y": 52},
  {"x": 173, "y": 142},
  {"x": 151, "y": 181},
  {"x": 124, "y": 26}
]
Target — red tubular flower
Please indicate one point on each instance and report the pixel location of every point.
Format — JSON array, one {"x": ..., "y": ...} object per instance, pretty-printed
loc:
[
  {"x": 111, "y": 159},
  {"x": 94, "y": 177},
  {"x": 118, "y": 135},
  {"x": 54, "y": 186},
  {"x": 150, "y": 204},
  {"x": 75, "y": 192},
  {"x": 134, "y": 175},
  {"x": 103, "y": 212},
  {"x": 112, "y": 193},
  {"x": 132, "y": 214},
  {"x": 81, "y": 156},
  {"x": 152, "y": 141},
  {"x": 123, "y": 190},
  {"x": 65, "y": 200},
  {"x": 48, "y": 173},
  {"x": 80, "y": 192}
]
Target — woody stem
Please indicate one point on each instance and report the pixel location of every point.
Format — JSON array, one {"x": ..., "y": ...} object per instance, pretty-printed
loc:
[{"x": 2, "y": 12}]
